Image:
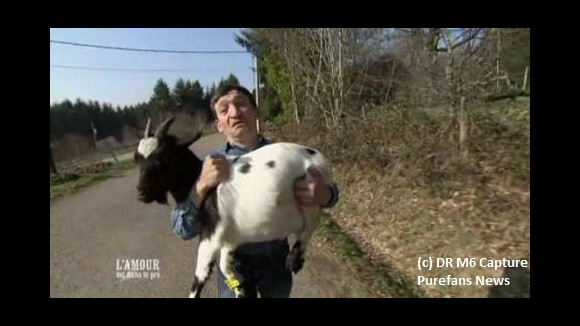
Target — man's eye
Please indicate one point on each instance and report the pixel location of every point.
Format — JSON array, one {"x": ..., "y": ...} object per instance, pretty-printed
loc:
[{"x": 241, "y": 102}]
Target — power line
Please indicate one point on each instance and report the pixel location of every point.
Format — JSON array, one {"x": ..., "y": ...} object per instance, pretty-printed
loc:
[
  {"x": 122, "y": 69},
  {"x": 145, "y": 50}
]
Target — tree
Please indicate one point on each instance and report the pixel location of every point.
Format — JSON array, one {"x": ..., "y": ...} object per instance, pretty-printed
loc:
[
  {"x": 270, "y": 101},
  {"x": 317, "y": 72},
  {"x": 161, "y": 101},
  {"x": 273, "y": 72},
  {"x": 514, "y": 55},
  {"x": 453, "y": 67},
  {"x": 68, "y": 118},
  {"x": 182, "y": 96},
  {"x": 230, "y": 81},
  {"x": 197, "y": 95}
]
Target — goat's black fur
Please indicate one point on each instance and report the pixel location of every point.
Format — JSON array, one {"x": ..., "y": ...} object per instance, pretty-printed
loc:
[
  {"x": 209, "y": 214},
  {"x": 172, "y": 168}
]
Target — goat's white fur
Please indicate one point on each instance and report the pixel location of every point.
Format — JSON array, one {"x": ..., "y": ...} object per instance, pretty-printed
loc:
[
  {"x": 260, "y": 205},
  {"x": 147, "y": 146}
]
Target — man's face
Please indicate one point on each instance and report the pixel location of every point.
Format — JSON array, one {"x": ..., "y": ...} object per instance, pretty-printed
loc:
[{"x": 235, "y": 115}]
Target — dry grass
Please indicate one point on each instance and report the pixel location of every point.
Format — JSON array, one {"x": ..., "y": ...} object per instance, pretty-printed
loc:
[
  {"x": 403, "y": 195},
  {"x": 398, "y": 224}
]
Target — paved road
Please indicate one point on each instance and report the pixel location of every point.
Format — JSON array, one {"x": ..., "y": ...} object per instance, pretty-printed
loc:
[{"x": 99, "y": 226}]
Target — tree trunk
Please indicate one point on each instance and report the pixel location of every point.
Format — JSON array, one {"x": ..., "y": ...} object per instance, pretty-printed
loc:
[
  {"x": 497, "y": 61},
  {"x": 525, "y": 83},
  {"x": 340, "y": 105},
  {"x": 294, "y": 103},
  {"x": 462, "y": 119},
  {"x": 451, "y": 126},
  {"x": 512, "y": 95}
]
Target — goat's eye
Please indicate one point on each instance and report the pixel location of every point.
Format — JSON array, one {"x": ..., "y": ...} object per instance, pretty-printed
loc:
[{"x": 153, "y": 165}]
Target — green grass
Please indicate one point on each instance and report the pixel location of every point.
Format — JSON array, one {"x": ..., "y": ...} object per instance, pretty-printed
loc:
[{"x": 67, "y": 183}]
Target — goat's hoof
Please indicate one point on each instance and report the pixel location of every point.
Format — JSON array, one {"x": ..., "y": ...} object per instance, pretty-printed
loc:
[
  {"x": 294, "y": 260},
  {"x": 194, "y": 294}
]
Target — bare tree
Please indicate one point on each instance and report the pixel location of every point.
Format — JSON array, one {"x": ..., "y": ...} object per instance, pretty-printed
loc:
[
  {"x": 453, "y": 67},
  {"x": 324, "y": 67},
  {"x": 328, "y": 73}
]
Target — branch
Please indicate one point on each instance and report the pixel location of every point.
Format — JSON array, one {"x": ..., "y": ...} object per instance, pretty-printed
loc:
[
  {"x": 512, "y": 95},
  {"x": 467, "y": 39}
]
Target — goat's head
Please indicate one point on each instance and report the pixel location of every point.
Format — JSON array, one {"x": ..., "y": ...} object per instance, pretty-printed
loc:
[{"x": 166, "y": 165}]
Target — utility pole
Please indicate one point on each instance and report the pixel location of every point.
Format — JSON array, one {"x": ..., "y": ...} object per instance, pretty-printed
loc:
[
  {"x": 257, "y": 88},
  {"x": 94, "y": 129},
  {"x": 104, "y": 144},
  {"x": 256, "y": 80},
  {"x": 52, "y": 165}
]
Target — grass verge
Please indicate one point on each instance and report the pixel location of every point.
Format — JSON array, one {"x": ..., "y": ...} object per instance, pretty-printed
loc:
[{"x": 69, "y": 182}]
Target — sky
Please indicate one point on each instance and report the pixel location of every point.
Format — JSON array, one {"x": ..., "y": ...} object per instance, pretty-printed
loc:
[{"x": 117, "y": 76}]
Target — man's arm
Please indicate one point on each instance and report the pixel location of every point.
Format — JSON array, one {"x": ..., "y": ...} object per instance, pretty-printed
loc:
[
  {"x": 186, "y": 220},
  {"x": 216, "y": 169},
  {"x": 333, "y": 189},
  {"x": 320, "y": 195},
  {"x": 186, "y": 216}
]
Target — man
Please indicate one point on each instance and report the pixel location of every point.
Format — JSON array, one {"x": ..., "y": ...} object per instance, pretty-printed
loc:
[{"x": 261, "y": 266}]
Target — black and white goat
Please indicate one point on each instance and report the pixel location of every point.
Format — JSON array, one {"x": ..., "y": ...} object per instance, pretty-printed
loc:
[{"x": 255, "y": 204}]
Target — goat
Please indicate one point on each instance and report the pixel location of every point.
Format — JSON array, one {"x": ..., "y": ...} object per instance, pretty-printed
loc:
[{"x": 255, "y": 204}]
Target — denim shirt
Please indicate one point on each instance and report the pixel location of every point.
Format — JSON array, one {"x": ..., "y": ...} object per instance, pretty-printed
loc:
[{"x": 185, "y": 217}]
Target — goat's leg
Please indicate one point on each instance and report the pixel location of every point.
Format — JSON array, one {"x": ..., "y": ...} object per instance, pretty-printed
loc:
[
  {"x": 227, "y": 268},
  {"x": 295, "y": 258},
  {"x": 205, "y": 257}
]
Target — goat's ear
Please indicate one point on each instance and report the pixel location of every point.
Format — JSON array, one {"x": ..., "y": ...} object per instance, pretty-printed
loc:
[{"x": 191, "y": 140}]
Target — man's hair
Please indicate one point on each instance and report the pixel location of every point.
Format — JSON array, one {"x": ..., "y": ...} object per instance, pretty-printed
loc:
[{"x": 225, "y": 90}]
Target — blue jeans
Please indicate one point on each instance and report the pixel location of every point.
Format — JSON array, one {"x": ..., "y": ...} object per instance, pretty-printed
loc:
[{"x": 261, "y": 269}]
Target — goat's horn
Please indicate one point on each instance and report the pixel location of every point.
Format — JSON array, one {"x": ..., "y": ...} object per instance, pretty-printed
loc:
[
  {"x": 164, "y": 127},
  {"x": 147, "y": 127}
]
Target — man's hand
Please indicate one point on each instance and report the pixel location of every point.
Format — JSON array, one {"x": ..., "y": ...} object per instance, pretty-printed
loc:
[
  {"x": 213, "y": 171},
  {"x": 312, "y": 193}
]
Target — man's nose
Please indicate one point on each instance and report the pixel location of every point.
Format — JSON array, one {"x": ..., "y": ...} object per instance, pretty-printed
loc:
[{"x": 235, "y": 111}]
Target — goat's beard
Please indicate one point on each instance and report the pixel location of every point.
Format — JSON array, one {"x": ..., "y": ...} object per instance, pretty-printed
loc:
[{"x": 161, "y": 199}]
